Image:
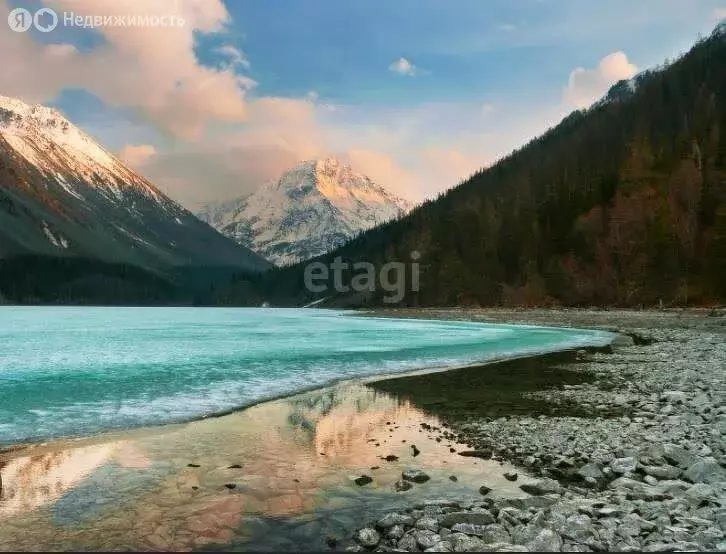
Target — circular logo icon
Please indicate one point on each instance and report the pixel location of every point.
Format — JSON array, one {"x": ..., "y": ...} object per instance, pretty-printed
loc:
[
  {"x": 45, "y": 20},
  {"x": 20, "y": 20}
]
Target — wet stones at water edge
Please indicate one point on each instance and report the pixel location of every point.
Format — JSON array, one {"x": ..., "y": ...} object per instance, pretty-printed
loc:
[
  {"x": 415, "y": 476},
  {"x": 646, "y": 471},
  {"x": 363, "y": 480},
  {"x": 402, "y": 486},
  {"x": 484, "y": 453}
]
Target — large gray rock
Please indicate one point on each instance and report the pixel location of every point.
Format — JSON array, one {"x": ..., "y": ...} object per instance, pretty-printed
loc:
[
  {"x": 469, "y": 529},
  {"x": 496, "y": 533},
  {"x": 523, "y": 534},
  {"x": 590, "y": 471},
  {"x": 678, "y": 456},
  {"x": 482, "y": 517},
  {"x": 534, "y": 502},
  {"x": 425, "y": 538},
  {"x": 578, "y": 528},
  {"x": 428, "y": 523},
  {"x": 545, "y": 541},
  {"x": 541, "y": 487},
  {"x": 465, "y": 543},
  {"x": 394, "y": 518},
  {"x": 407, "y": 543},
  {"x": 705, "y": 471},
  {"x": 663, "y": 472},
  {"x": 488, "y": 533},
  {"x": 441, "y": 546},
  {"x": 623, "y": 465},
  {"x": 673, "y": 396},
  {"x": 367, "y": 537},
  {"x": 701, "y": 492},
  {"x": 395, "y": 532}
]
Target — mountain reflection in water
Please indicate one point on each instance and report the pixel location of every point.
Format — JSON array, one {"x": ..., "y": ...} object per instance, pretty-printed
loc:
[{"x": 220, "y": 480}]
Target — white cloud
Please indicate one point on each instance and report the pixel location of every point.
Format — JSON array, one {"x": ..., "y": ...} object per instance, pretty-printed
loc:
[
  {"x": 402, "y": 66},
  {"x": 234, "y": 55},
  {"x": 507, "y": 27},
  {"x": 486, "y": 109},
  {"x": 137, "y": 156},
  {"x": 585, "y": 86}
]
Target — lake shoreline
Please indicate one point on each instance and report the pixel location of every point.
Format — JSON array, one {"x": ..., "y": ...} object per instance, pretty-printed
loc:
[
  {"x": 642, "y": 469},
  {"x": 23, "y": 445},
  {"x": 458, "y": 425}
]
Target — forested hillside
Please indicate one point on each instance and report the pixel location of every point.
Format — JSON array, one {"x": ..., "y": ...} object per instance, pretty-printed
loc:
[{"x": 622, "y": 204}]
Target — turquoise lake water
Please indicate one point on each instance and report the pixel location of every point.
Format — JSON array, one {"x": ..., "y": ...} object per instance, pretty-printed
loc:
[{"x": 76, "y": 371}]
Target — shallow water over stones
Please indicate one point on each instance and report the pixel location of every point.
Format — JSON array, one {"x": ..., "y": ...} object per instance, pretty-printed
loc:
[{"x": 277, "y": 476}]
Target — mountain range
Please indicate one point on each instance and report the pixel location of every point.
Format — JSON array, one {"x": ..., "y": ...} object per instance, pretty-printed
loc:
[
  {"x": 622, "y": 204},
  {"x": 65, "y": 200},
  {"x": 311, "y": 209}
]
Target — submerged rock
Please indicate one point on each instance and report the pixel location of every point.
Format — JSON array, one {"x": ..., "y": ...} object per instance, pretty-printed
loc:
[
  {"x": 415, "y": 475},
  {"x": 363, "y": 480},
  {"x": 401, "y": 486},
  {"x": 483, "y": 453},
  {"x": 394, "y": 518}
]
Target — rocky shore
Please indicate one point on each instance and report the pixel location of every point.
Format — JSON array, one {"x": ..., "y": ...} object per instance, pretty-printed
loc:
[{"x": 644, "y": 470}]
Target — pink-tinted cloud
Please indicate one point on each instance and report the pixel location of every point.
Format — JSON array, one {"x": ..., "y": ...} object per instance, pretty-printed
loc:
[
  {"x": 585, "y": 86},
  {"x": 137, "y": 156},
  {"x": 152, "y": 70}
]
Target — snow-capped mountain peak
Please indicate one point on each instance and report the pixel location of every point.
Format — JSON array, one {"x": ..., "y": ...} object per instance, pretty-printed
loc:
[
  {"x": 311, "y": 209},
  {"x": 45, "y": 138},
  {"x": 62, "y": 194}
]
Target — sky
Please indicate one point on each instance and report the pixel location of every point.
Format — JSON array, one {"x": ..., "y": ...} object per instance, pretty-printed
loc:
[{"x": 416, "y": 94}]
